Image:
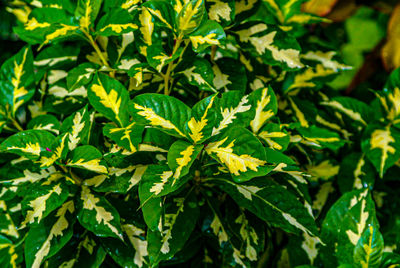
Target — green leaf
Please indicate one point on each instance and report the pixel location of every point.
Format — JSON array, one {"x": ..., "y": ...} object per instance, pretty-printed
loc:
[
  {"x": 210, "y": 33},
  {"x": 28, "y": 143},
  {"x": 47, "y": 238},
  {"x": 87, "y": 157},
  {"x": 9, "y": 254},
  {"x": 197, "y": 72},
  {"x": 127, "y": 137},
  {"x": 181, "y": 156},
  {"x": 110, "y": 98},
  {"x": 354, "y": 109},
  {"x": 229, "y": 74},
  {"x": 273, "y": 45},
  {"x": 86, "y": 12},
  {"x": 369, "y": 248},
  {"x": 16, "y": 81},
  {"x": 96, "y": 214},
  {"x": 239, "y": 150},
  {"x": 381, "y": 146},
  {"x": 265, "y": 106},
  {"x": 320, "y": 138},
  {"x": 43, "y": 199},
  {"x": 190, "y": 15},
  {"x": 234, "y": 110},
  {"x": 275, "y": 137},
  {"x": 79, "y": 77},
  {"x": 116, "y": 22},
  {"x": 45, "y": 122},
  {"x": 344, "y": 225},
  {"x": 270, "y": 202},
  {"x": 159, "y": 111},
  {"x": 180, "y": 211},
  {"x": 202, "y": 119},
  {"x": 77, "y": 126}
]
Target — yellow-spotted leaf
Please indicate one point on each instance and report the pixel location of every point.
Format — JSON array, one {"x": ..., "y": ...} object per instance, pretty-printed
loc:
[
  {"x": 320, "y": 138},
  {"x": 159, "y": 111},
  {"x": 96, "y": 214},
  {"x": 181, "y": 156},
  {"x": 234, "y": 109},
  {"x": 50, "y": 235},
  {"x": 16, "y": 81},
  {"x": 116, "y": 22},
  {"x": 344, "y": 227},
  {"x": 239, "y": 151},
  {"x": 10, "y": 254},
  {"x": 110, "y": 98},
  {"x": 273, "y": 45},
  {"x": 87, "y": 157},
  {"x": 7, "y": 226},
  {"x": 270, "y": 202},
  {"x": 199, "y": 73},
  {"x": 221, "y": 11},
  {"x": 42, "y": 200},
  {"x": 354, "y": 109},
  {"x": 127, "y": 137},
  {"x": 265, "y": 105},
  {"x": 77, "y": 126},
  {"x": 180, "y": 210},
  {"x": 190, "y": 16},
  {"x": 274, "y": 136},
  {"x": 147, "y": 33},
  {"x": 381, "y": 145},
  {"x": 162, "y": 12},
  {"x": 86, "y": 12},
  {"x": 202, "y": 119},
  {"x": 29, "y": 143},
  {"x": 210, "y": 33},
  {"x": 369, "y": 249}
]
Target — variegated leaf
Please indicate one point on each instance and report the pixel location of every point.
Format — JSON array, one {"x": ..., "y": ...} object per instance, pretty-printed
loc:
[
  {"x": 198, "y": 73},
  {"x": 229, "y": 74},
  {"x": 190, "y": 16},
  {"x": 16, "y": 81},
  {"x": 181, "y": 156},
  {"x": 274, "y": 136},
  {"x": 239, "y": 150},
  {"x": 109, "y": 97},
  {"x": 163, "y": 112},
  {"x": 234, "y": 109},
  {"x": 210, "y": 33},
  {"x": 220, "y": 11},
  {"x": 369, "y": 249},
  {"x": 265, "y": 106},
  {"x": 50, "y": 235},
  {"x": 42, "y": 200},
  {"x": 181, "y": 210},
  {"x": 86, "y": 12},
  {"x": 77, "y": 127},
  {"x": 320, "y": 138},
  {"x": 7, "y": 226},
  {"x": 270, "y": 202},
  {"x": 96, "y": 214},
  {"x": 28, "y": 143},
  {"x": 269, "y": 42},
  {"x": 116, "y": 22},
  {"x": 202, "y": 119},
  {"x": 87, "y": 157},
  {"x": 45, "y": 122},
  {"x": 127, "y": 137},
  {"x": 79, "y": 77},
  {"x": 10, "y": 254},
  {"x": 381, "y": 146}
]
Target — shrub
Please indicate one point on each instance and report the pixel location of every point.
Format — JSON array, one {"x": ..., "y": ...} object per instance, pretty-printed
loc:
[{"x": 189, "y": 133}]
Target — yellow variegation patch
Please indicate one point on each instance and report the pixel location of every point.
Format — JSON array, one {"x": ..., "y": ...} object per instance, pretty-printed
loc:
[
  {"x": 138, "y": 244},
  {"x": 362, "y": 223},
  {"x": 381, "y": 139},
  {"x": 38, "y": 206},
  {"x": 325, "y": 58},
  {"x": 159, "y": 186},
  {"x": 56, "y": 230},
  {"x": 196, "y": 127},
  {"x": 235, "y": 163},
  {"x": 268, "y": 137},
  {"x": 183, "y": 161},
  {"x": 350, "y": 113},
  {"x": 208, "y": 39},
  {"x": 118, "y": 28},
  {"x": 31, "y": 148},
  {"x": 229, "y": 114},
  {"x": 77, "y": 127},
  {"x": 110, "y": 100},
  {"x": 155, "y": 119},
  {"x": 93, "y": 165},
  {"x": 157, "y": 14},
  {"x": 147, "y": 27},
  {"x": 102, "y": 215},
  {"x": 33, "y": 24},
  {"x": 19, "y": 91},
  {"x": 220, "y": 80},
  {"x": 219, "y": 10},
  {"x": 129, "y": 3},
  {"x": 218, "y": 230},
  {"x": 261, "y": 116},
  {"x": 248, "y": 191},
  {"x": 244, "y": 5},
  {"x": 185, "y": 20},
  {"x": 60, "y": 32}
]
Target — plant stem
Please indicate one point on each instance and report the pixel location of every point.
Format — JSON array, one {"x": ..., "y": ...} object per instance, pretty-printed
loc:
[
  {"x": 16, "y": 124},
  {"x": 96, "y": 48},
  {"x": 169, "y": 68}
]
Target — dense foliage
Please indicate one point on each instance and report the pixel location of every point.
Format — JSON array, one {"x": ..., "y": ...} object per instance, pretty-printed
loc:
[{"x": 196, "y": 133}]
